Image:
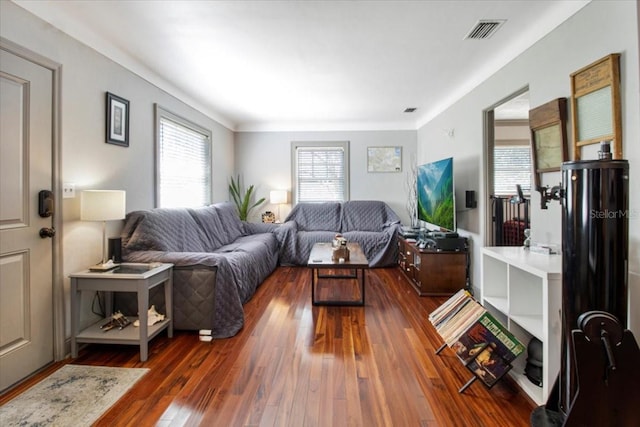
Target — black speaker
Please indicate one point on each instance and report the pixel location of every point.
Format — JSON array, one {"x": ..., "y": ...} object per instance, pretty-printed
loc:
[
  {"x": 470, "y": 199},
  {"x": 115, "y": 249}
]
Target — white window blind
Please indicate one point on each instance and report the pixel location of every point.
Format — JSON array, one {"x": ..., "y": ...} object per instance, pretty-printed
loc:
[
  {"x": 184, "y": 162},
  {"x": 321, "y": 173},
  {"x": 511, "y": 165}
]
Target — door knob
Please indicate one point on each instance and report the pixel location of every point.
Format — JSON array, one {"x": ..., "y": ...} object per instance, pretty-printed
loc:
[{"x": 47, "y": 232}]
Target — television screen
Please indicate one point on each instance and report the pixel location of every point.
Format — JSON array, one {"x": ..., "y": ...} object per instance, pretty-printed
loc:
[{"x": 436, "y": 201}]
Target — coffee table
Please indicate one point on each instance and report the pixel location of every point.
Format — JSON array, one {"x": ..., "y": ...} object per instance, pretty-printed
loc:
[{"x": 320, "y": 259}]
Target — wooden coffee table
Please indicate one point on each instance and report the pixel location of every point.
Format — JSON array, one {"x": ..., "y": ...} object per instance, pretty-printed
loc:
[{"x": 320, "y": 259}]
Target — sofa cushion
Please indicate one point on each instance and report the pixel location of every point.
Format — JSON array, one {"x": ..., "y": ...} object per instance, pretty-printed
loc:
[
  {"x": 171, "y": 229},
  {"x": 215, "y": 235},
  {"x": 366, "y": 215},
  {"x": 230, "y": 221},
  {"x": 317, "y": 216}
]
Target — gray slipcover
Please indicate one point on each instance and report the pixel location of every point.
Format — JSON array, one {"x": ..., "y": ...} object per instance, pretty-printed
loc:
[
  {"x": 220, "y": 261},
  {"x": 372, "y": 224}
]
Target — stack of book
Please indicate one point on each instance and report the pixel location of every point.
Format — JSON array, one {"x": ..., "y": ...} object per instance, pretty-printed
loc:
[{"x": 479, "y": 340}]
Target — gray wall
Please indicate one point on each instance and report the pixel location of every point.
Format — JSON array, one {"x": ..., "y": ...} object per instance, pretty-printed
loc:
[
  {"x": 87, "y": 160},
  {"x": 264, "y": 159},
  {"x": 545, "y": 68}
]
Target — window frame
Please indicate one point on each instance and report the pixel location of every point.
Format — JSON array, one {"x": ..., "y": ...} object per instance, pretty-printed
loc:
[
  {"x": 295, "y": 145},
  {"x": 526, "y": 188},
  {"x": 163, "y": 113}
]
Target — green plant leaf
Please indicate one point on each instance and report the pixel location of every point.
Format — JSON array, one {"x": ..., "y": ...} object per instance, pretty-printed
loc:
[{"x": 242, "y": 201}]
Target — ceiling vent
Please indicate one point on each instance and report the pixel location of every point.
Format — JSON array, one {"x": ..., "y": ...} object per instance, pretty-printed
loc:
[
  {"x": 484, "y": 29},
  {"x": 410, "y": 109}
]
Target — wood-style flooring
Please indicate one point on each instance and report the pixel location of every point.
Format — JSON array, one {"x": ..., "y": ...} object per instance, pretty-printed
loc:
[{"x": 294, "y": 364}]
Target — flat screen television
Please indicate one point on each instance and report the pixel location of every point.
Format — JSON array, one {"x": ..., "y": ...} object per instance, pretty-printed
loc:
[{"x": 436, "y": 198}]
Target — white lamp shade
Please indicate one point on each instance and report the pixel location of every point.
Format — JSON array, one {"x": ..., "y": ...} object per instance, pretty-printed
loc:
[
  {"x": 102, "y": 205},
  {"x": 278, "y": 196}
]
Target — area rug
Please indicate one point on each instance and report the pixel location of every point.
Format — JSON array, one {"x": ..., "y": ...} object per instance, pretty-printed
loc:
[{"x": 74, "y": 395}]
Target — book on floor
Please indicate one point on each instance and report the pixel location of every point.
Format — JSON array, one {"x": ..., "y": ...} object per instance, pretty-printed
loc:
[
  {"x": 488, "y": 365},
  {"x": 486, "y": 330},
  {"x": 481, "y": 342}
]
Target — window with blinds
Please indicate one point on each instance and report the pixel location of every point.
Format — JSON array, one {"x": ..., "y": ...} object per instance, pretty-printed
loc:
[
  {"x": 511, "y": 166},
  {"x": 321, "y": 171},
  {"x": 183, "y": 162}
]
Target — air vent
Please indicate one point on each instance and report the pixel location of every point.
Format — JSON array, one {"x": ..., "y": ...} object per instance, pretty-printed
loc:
[
  {"x": 485, "y": 28},
  {"x": 410, "y": 109}
]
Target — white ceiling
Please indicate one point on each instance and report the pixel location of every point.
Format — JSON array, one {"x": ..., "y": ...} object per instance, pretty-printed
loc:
[{"x": 309, "y": 65}]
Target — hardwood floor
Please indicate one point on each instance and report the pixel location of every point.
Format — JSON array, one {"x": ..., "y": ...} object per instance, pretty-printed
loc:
[{"x": 298, "y": 365}]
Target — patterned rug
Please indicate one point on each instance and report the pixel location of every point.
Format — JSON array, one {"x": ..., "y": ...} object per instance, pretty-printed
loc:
[{"x": 74, "y": 395}]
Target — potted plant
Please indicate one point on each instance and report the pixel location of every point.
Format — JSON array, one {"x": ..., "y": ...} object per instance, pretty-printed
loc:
[{"x": 241, "y": 200}]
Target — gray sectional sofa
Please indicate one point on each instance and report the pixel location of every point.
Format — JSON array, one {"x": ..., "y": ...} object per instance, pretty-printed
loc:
[
  {"x": 371, "y": 223},
  {"x": 220, "y": 261}
]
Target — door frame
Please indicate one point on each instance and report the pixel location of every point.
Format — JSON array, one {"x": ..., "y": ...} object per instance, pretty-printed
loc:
[
  {"x": 60, "y": 349},
  {"x": 487, "y": 154}
]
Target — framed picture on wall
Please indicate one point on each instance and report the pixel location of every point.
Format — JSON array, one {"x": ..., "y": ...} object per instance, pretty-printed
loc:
[
  {"x": 117, "y": 120},
  {"x": 384, "y": 159},
  {"x": 549, "y": 137},
  {"x": 596, "y": 105}
]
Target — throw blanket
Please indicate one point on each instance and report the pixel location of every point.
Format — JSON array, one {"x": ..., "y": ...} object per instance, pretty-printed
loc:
[
  {"x": 212, "y": 236},
  {"x": 372, "y": 224}
]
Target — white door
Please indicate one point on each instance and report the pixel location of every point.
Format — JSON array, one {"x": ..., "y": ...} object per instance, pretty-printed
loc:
[{"x": 26, "y": 291}]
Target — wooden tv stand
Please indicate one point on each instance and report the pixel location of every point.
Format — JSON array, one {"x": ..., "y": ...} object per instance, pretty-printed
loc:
[{"x": 432, "y": 272}]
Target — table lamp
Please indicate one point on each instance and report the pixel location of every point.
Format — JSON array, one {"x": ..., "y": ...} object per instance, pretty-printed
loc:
[
  {"x": 278, "y": 197},
  {"x": 103, "y": 205}
]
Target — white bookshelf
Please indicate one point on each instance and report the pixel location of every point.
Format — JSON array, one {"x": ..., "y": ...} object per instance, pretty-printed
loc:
[{"x": 525, "y": 290}]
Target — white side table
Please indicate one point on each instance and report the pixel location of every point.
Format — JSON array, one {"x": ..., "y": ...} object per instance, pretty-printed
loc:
[{"x": 138, "y": 278}]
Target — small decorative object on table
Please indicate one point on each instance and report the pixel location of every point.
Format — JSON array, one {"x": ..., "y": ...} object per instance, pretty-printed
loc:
[
  {"x": 118, "y": 320},
  {"x": 153, "y": 317},
  {"x": 268, "y": 217},
  {"x": 527, "y": 238},
  {"x": 340, "y": 250}
]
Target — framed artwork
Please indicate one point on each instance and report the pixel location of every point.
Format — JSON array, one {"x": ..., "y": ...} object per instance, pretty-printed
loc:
[
  {"x": 595, "y": 105},
  {"x": 117, "y": 120},
  {"x": 384, "y": 159},
  {"x": 549, "y": 137}
]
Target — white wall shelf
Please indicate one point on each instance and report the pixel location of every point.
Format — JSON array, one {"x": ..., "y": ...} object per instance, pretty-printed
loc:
[{"x": 525, "y": 290}]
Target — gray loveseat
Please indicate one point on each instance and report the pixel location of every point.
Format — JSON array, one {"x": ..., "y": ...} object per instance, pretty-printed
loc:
[
  {"x": 372, "y": 224},
  {"x": 220, "y": 261}
]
